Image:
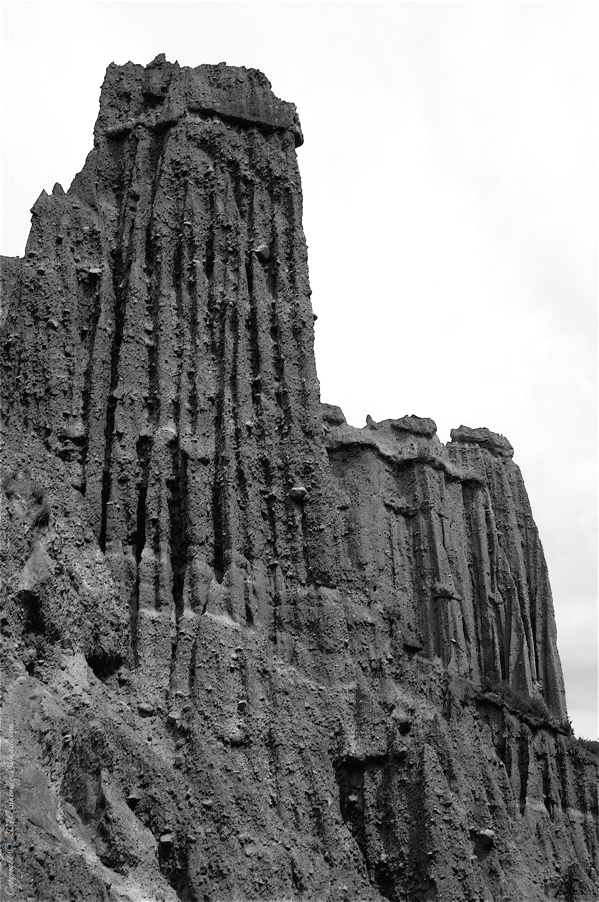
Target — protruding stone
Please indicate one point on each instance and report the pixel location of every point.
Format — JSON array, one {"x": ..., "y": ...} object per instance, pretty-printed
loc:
[
  {"x": 332, "y": 415},
  {"x": 491, "y": 441},
  {"x": 262, "y": 251},
  {"x": 416, "y": 425},
  {"x": 486, "y": 837},
  {"x": 298, "y": 493},
  {"x": 443, "y": 589},
  {"x": 124, "y": 676}
]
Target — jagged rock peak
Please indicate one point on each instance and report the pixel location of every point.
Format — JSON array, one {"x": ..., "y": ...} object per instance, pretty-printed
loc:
[
  {"x": 161, "y": 94},
  {"x": 332, "y": 415}
]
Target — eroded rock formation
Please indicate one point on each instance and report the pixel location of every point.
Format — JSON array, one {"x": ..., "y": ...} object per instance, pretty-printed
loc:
[{"x": 253, "y": 652}]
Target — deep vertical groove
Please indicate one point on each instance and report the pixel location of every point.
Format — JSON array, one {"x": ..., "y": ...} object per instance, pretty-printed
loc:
[
  {"x": 120, "y": 276},
  {"x": 484, "y": 643},
  {"x": 177, "y": 505},
  {"x": 253, "y": 337},
  {"x": 192, "y": 291},
  {"x": 92, "y": 319},
  {"x": 192, "y": 671},
  {"x": 523, "y": 764},
  {"x": 177, "y": 485},
  {"x": 252, "y": 325},
  {"x": 140, "y": 534},
  {"x": 547, "y": 794},
  {"x": 216, "y": 326},
  {"x": 282, "y": 394},
  {"x": 209, "y": 250},
  {"x": 249, "y": 616},
  {"x": 239, "y": 445},
  {"x": 271, "y": 501},
  {"x": 138, "y": 539},
  {"x": 290, "y": 255},
  {"x": 152, "y": 265}
]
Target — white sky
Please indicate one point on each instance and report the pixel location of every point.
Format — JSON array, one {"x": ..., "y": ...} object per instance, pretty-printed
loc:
[{"x": 450, "y": 208}]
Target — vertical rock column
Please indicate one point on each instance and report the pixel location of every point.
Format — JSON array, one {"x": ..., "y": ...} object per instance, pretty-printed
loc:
[
  {"x": 440, "y": 540},
  {"x": 519, "y": 594},
  {"x": 174, "y": 278}
]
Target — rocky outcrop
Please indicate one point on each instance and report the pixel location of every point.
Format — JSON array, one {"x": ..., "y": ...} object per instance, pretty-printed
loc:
[
  {"x": 441, "y": 543},
  {"x": 251, "y": 651}
]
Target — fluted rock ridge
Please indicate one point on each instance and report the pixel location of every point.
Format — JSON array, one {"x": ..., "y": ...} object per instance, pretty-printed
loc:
[
  {"x": 252, "y": 651},
  {"x": 443, "y": 536}
]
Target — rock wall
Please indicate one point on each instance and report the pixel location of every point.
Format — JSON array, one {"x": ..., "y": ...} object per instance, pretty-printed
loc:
[
  {"x": 441, "y": 543},
  {"x": 253, "y": 652}
]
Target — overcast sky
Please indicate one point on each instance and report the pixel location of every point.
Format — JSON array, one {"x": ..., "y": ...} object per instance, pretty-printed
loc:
[{"x": 450, "y": 207}]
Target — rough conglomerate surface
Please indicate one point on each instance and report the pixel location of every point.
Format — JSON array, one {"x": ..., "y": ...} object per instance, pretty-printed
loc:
[{"x": 251, "y": 652}]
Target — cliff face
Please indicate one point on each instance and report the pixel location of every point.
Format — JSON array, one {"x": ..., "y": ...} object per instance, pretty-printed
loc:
[
  {"x": 253, "y": 652},
  {"x": 441, "y": 541}
]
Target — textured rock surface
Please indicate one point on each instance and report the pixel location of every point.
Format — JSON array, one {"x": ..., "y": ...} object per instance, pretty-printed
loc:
[{"x": 252, "y": 652}]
